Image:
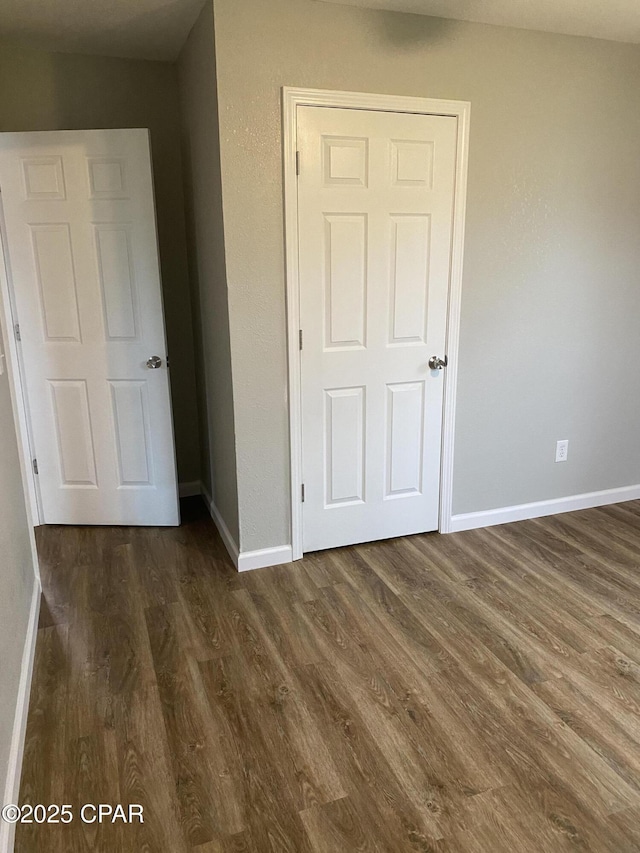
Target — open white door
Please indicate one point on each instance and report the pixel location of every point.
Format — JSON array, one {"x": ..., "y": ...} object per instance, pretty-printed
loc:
[
  {"x": 375, "y": 223},
  {"x": 82, "y": 261}
]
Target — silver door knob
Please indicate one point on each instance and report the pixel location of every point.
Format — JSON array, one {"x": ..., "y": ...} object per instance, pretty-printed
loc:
[
  {"x": 154, "y": 362},
  {"x": 437, "y": 363}
]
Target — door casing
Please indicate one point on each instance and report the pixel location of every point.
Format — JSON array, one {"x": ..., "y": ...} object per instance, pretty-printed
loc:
[
  {"x": 13, "y": 367},
  {"x": 292, "y": 98}
]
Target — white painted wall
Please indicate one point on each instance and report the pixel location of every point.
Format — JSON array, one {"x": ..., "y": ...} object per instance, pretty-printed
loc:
[
  {"x": 16, "y": 575},
  {"x": 549, "y": 343},
  {"x": 201, "y": 158}
]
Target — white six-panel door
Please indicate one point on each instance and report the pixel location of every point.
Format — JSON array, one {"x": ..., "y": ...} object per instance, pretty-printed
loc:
[
  {"x": 375, "y": 208},
  {"x": 81, "y": 251}
]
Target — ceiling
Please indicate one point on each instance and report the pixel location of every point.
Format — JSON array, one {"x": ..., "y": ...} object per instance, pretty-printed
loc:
[
  {"x": 157, "y": 29},
  {"x": 142, "y": 29},
  {"x": 618, "y": 20}
]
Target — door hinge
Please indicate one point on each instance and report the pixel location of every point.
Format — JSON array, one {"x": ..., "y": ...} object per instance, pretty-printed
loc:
[
  {"x": 16, "y": 329},
  {"x": 300, "y": 338},
  {"x": 35, "y": 466},
  {"x": 302, "y": 492},
  {"x": 297, "y": 162}
]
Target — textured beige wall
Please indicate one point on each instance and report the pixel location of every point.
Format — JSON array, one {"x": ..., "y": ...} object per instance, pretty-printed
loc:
[
  {"x": 201, "y": 158},
  {"x": 16, "y": 573},
  {"x": 549, "y": 345},
  {"x": 55, "y": 91}
]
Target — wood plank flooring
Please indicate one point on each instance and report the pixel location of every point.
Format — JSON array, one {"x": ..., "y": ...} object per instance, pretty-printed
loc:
[{"x": 471, "y": 693}]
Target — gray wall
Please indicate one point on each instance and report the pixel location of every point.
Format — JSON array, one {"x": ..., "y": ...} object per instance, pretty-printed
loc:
[
  {"x": 55, "y": 91},
  {"x": 201, "y": 157},
  {"x": 16, "y": 573},
  {"x": 549, "y": 341}
]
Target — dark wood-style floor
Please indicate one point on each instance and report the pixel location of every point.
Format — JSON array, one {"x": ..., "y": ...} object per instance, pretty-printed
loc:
[{"x": 478, "y": 692}]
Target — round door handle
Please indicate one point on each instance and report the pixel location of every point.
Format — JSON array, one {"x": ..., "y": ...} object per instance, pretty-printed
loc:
[
  {"x": 437, "y": 363},
  {"x": 154, "y": 362}
]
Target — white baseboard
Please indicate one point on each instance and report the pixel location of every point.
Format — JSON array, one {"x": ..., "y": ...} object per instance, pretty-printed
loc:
[
  {"x": 537, "y": 509},
  {"x": 188, "y": 490},
  {"x": 246, "y": 560},
  {"x": 14, "y": 770},
  {"x": 223, "y": 530},
  {"x": 265, "y": 557}
]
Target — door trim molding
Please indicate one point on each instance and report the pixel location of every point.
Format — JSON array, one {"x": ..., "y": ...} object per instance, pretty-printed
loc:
[
  {"x": 292, "y": 98},
  {"x": 13, "y": 367}
]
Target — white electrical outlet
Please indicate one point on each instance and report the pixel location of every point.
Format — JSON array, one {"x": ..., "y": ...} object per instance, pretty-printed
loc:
[{"x": 562, "y": 450}]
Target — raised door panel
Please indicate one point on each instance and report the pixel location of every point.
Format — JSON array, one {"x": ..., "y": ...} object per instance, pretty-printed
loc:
[
  {"x": 108, "y": 178},
  {"x": 410, "y": 242},
  {"x": 405, "y": 438},
  {"x": 43, "y": 178},
  {"x": 344, "y": 445},
  {"x": 116, "y": 275},
  {"x": 412, "y": 163},
  {"x": 74, "y": 433},
  {"x": 345, "y": 161},
  {"x": 345, "y": 291},
  {"x": 131, "y": 421},
  {"x": 56, "y": 279}
]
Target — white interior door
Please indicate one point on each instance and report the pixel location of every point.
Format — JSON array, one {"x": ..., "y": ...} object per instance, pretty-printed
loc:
[
  {"x": 375, "y": 208},
  {"x": 82, "y": 260}
]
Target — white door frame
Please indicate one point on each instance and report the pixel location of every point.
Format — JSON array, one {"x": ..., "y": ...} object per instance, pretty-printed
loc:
[
  {"x": 13, "y": 365},
  {"x": 293, "y": 98}
]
